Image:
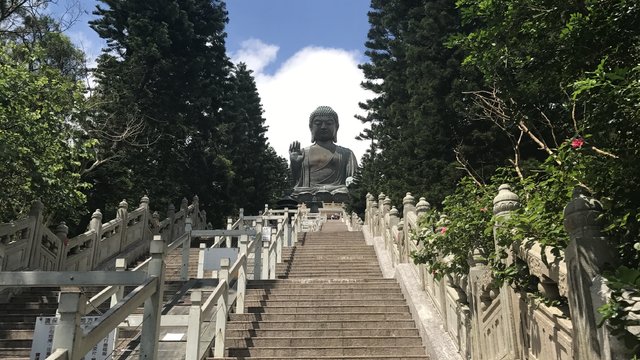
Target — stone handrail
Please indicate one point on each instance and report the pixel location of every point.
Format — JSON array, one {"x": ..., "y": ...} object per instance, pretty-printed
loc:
[
  {"x": 69, "y": 339},
  {"x": 480, "y": 315},
  {"x": 28, "y": 244}
]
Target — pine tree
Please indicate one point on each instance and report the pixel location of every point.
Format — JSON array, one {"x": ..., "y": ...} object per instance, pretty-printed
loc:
[{"x": 162, "y": 80}]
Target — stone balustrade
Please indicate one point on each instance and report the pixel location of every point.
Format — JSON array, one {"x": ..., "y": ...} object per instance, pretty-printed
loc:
[
  {"x": 29, "y": 244},
  {"x": 487, "y": 321}
]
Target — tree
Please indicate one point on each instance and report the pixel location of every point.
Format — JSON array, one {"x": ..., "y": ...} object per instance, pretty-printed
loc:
[
  {"x": 419, "y": 122},
  {"x": 259, "y": 174},
  {"x": 40, "y": 146},
  {"x": 164, "y": 75}
]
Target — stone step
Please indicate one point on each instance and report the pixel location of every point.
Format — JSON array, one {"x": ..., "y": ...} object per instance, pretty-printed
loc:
[
  {"x": 315, "y": 351},
  {"x": 7, "y": 352},
  {"x": 376, "y": 316},
  {"x": 339, "y": 341},
  {"x": 327, "y": 309},
  {"x": 322, "y": 291},
  {"x": 318, "y": 333},
  {"x": 322, "y": 324},
  {"x": 337, "y": 283},
  {"x": 348, "y": 357},
  {"x": 320, "y": 303},
  {"x": 252, "y": 296}
]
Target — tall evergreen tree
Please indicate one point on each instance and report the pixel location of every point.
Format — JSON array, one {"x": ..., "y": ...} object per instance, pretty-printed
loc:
[
  {"x": 162, "y": 79},
  {"x": 257, "y": 174},
  {"x": 418, "y": 119}
]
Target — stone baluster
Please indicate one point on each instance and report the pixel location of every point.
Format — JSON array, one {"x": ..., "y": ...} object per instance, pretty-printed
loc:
[
  {"x": 402, "y": 244},
  {"x": 195, "y": 218},
  {"x": 408, "y": 206},
  {"x": 386, "y": 204},
  {"x": 171, "y": 214},
  {"x": 96, "y": 225},
  {"x": 393, "y": 216},
  {"x": 393, "y": 221},
  {"x": 123, "y": 215},
  {"x": 368, "y": 209},
  {"x": 62, "y": 232},
  {"x": 503, "y": 204},
  {"x": 147, "y": 234},
  {"x": 153, "y": 305},
  {"x": 374, "y": 219},
  {"x": 586, "y": 255},
  {"x": 36, "y": 217},
  {"x": 257, "y": 259},
  {"x": 422, "y": 206},
  {"x": 68, "y": 333},
  {"x": 227, "y": 239},
  {"x": 155, "y": 221},
  {"x": 186, "y": 245}
]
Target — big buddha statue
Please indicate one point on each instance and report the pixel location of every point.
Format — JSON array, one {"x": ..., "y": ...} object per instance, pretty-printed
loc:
[{"x": 323, "y": 169}]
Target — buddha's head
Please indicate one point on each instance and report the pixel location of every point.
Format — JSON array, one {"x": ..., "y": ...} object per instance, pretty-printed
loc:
[{"x": 323, "y": 123}]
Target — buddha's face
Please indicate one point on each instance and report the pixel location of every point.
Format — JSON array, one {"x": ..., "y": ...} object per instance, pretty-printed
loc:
[{"x": 324, "y": 128}]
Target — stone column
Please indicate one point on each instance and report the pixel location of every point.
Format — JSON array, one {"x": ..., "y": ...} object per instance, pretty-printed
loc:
[
  {"x": 586, "y": 255},
  {"x": 422, "y": 206},
  {"x": 96, "y": 226},
  {"x": 123, "y": 215},
  {"x": 146, "y": 219},
  {"x": 36, "y": 217},
  {"x": 62, "y": 232},
  {"x": 503, "y": 204}
]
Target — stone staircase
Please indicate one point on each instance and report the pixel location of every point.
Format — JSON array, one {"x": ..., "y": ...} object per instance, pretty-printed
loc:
[
  {"x": 330, "y": 301},
  {"x": 18, "y": 317}
]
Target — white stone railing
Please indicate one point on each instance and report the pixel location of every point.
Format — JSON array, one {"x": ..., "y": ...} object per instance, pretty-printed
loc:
[
  {"x": 28, "y": 244},
  {"x": 489, "y": 322},
  {"x": 71, "y": 342}
]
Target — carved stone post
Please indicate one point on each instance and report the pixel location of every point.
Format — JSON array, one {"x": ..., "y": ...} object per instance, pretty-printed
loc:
[
  {"x": 35, "y": 216},
  {"x": 393, "y": 216},
  {"x": 123, "y": 215},
  {"x": 386, "y": 204},
  {"x": 503, "y": 204},
  {"x": 586, "y": 255},
  {"x": 68, "y": 333},
  {"x": 62, "y": 232},
  {"x": 153, "y": 305},
  {"x": 171, "y": 214},
  {"x": 186, "y": 245},
  {"x": 195, "y": 217},
  {"x": 227, "y": 239},
  {"x": 257, "y": 256},
  {"x": 408, "y": 206},
  {"x": 373, "y": 225},
  {"x": 367, "y": 216},
  {"x": 96, "y": 226},
  {"x": 147, "y": 234},
  {"x": 422, "y": 206}
]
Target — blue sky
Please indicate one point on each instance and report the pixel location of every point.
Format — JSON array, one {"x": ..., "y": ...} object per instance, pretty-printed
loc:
[{"x": 304, "y": 53}]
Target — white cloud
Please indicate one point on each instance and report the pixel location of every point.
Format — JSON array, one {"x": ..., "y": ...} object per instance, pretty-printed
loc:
[
  {"x": 255, "y": 54},
  {"x": 314, "y": 76}
]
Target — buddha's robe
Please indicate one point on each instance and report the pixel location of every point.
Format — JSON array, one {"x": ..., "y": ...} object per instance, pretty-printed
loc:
[{"x": 317, "y": 174}]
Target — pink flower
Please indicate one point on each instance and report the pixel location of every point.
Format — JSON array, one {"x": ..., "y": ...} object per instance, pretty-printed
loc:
[
  {"x": 577, "y": 143},
  {"x": 443, "y": 230}
]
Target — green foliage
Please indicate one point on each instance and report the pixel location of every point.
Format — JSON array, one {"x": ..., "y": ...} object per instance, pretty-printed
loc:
[
  {"x": 447, "y": 243},
  {"x": 622, "y": 312},
  {"x": 40, "y": 145}
]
